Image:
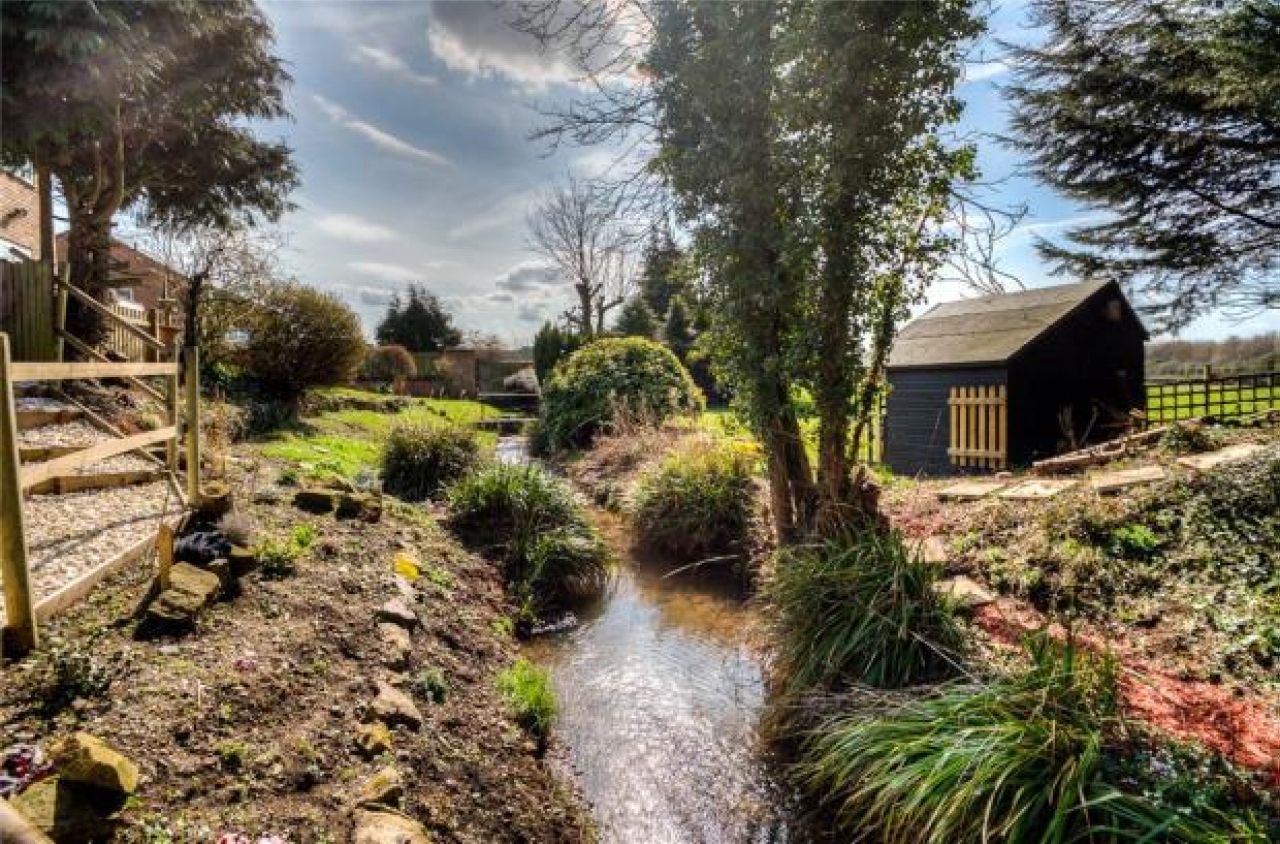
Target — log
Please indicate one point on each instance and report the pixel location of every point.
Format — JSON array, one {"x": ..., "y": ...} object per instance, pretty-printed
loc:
[{"x": 1103, "y": 452}]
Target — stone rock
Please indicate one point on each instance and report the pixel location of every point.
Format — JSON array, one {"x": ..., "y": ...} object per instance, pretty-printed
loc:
[
  {"x": 396, "y": 646},
  {"x": 195, "y": 581},
  {"x": 191, "y": 589},
  {"x": 87, "y": 760},
  {"x": 215, "y": 500},
  {"x": 933, "y": 550},
  {"x": 965, "y": 592},
  {"x": 67, "y": 812},
  {"x": 359, "y": 505},
  {"x": 373, "y": 739},
  {"x": 221, "y": 568},
  {"x": 243, "y": 560},
  {"x": 317, "y": 501},
  {"x": 383, "y": 826},
  {"x": 392, "y": 706},
  {"x": 384, "y": 788},
  {"x": 397, "y": 611}
]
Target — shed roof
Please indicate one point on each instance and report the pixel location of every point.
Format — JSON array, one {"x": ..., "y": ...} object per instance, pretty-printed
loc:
[{"x": 986, "y": 329}]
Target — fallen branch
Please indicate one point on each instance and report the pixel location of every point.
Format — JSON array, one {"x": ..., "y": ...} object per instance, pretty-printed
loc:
[{"x": 1107, "y": 451}]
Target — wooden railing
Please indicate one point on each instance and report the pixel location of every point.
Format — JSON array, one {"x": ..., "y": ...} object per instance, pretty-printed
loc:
[
  {"x": 979, "y": 426},
  {"x": 1221, "y": 397},
  {"x": 17, "y": 479}
]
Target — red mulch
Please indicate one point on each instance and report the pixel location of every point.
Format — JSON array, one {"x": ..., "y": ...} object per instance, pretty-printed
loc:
[{"x": 1241, "y": 729}]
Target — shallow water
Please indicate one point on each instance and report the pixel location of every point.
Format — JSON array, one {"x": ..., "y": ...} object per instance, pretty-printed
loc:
[{"x": 660, "y": 703}]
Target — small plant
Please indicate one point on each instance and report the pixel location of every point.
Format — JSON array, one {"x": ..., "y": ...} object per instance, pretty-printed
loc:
[
  {"x": 431, "y": 685},
  {"x": 566, "y": 564},
  {"x": 303, "y": 536},
  {"x": 418, "y": 461},
  {"x": 1134, "y": 541},
  {"x": 526, "y": 689},
  {"x": 231, "y": 755},
  {"x": 277, "y": 558},
  {"x": 503, "y": 627},
  {"x": 288, "y": 476},
  {"x": 439, "y": 577},
  {"x": 859, "y": 609},
  {"x": 699, "y": 500},
  {"x": 1187, "y": 438},
  {"x": 66, "y": 672}
]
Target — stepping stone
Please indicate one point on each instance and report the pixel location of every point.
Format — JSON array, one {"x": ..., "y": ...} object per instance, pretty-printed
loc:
[
  {"x": 385, "y": 826},
  {"x": 972, "y": 489},
  {"x": 965, "y": 592},
  {"x": 87, "y": 760},
  {"x": 397, "y": 611},
  {"x": 393, "y": 707},
  {"x": 933, "y": 550},
  {"x": 1214, "y": 459},
  {"x": 1109, "y": 482},
  {"x": 1036, "y": 489},
  {"x": 191, "y": 589}
]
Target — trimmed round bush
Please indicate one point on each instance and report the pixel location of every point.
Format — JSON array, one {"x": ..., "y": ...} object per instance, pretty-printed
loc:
[
  {"x": 699, "y": 500},
  {"x": 388, "y": 364},
  {"x": 301, "y": 337},
  {"x": 419, "y": 460},
  {"x": 628, "y": 375}
]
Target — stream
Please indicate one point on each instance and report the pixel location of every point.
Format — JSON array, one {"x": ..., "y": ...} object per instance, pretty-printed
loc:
[{"x": 661, "y": 697}]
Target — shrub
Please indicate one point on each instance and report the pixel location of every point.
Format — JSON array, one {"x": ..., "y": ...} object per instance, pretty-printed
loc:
[
  {"x": 550, "y": 345},
  {"x": 1017, "y": 760},
  {"x": 526, "y": 689},
  {"x": 617, "y": 374},
  {"x": 419, "y": 460},
  {"x": 388, "y": 364},
  {"x": 859, "y": 609},
  {"x": 529, "y": 518},
  {"x": 68, "y": 671},
  {"x": 301, "y": 337},
  {"x": 1187, "y": 438},
  {"x": 699, "y": 500}
]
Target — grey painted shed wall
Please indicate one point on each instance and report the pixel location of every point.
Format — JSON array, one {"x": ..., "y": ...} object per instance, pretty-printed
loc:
[{"x": 917, "y": 429}]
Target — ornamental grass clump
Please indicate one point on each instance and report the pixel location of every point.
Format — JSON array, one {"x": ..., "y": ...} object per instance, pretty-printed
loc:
[
  {"x": 1018, "y": 760},
  {"x": 700, "y": 500},
  {"x": 859, "y": 609},
  {"x": 528, "y": 519},
  {"x": 526, "y": 689},
  {"x": 419, "y": 460}
]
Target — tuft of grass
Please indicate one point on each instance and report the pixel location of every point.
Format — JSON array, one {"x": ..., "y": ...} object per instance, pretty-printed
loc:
[
  {"x": 430, "y": 684},
  {"x": 860, "y": 609},
  {"x": 1017, "y": 761},
  {"x": 526, "y": 689},
  {"x": 530, "y": 519},
  {"x": 699, "y": 500},
  {"x": 278, "y": 558},
  {"x": 419, "y": 460}
]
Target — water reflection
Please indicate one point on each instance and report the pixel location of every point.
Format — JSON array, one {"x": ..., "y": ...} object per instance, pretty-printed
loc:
[{"x": 661, "y": 698}]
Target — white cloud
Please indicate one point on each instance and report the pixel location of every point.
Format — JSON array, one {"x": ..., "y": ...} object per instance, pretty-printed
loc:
[
  {"x": 386, "y": 272},
  {"x": 510, "y": 211},
  {"x": 531, "y": 311},
  {"x": 478, "y": 40},
  {"x": 527, "y": 277},
  {"x": 378, "y": 137},
  {"x": 389, "y": 63},
  {"x": 354, "y": 229},
  {"x": 499, "y": 297},
  {"x": 982, "y": 71}
]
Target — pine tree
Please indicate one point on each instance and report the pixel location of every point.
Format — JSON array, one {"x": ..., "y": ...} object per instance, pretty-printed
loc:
[
  {"x": 661, "y": 277},
  {"x": 677, "y": 331},
  {"x": 636, "y": 319},
  {"x": 1167, "y": 117},
  {"x": 420, "y": 323}
]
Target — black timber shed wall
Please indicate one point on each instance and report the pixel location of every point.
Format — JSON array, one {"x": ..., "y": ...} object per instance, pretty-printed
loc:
[{"x": 917, "y": 424}]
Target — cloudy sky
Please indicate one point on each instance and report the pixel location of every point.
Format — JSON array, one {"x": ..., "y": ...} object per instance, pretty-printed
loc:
[{"x": 411, "y": 125}]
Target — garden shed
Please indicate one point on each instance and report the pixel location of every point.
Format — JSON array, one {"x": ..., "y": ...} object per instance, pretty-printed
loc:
[{"x": 1000, "y": 381}]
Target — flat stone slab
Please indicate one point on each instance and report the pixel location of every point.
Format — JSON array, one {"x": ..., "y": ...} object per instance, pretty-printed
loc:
[
  {"x": 965, "y": 592},
  {"x": 1036, "y": 489},
  {"x": 933, "y": 550},
  {"x": 1109, "y": 482},
  {"x": 1214, "y": 459},
  {"x": 971, "y": 489}
]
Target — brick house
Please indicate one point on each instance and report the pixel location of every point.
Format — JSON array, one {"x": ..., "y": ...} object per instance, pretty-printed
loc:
[
  {"x": 135, "y": 276},
  {"x": 19, "y": 218}
]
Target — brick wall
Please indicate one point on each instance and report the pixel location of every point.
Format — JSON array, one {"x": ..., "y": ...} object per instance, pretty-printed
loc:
[{"x": 19, "y": 215}]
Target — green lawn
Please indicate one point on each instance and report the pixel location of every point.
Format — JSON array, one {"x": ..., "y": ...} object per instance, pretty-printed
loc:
[{"x": 346, "y": 443}]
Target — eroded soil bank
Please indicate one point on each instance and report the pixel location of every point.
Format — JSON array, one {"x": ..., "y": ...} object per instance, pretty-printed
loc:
[{"x": 248, "y": 726}]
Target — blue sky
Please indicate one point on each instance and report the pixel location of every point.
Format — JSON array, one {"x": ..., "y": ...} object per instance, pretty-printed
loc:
[{"x": 411, "y": 124}]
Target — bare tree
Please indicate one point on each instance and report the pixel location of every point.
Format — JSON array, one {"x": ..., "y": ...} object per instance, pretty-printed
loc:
[{"x": 579, "y": 231}]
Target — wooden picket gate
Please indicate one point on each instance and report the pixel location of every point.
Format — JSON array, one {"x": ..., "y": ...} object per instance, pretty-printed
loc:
[{"x": 979, "y": 426}]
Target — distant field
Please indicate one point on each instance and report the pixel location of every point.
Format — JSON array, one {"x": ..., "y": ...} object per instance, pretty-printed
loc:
[{"x": 1171, "y": 402}]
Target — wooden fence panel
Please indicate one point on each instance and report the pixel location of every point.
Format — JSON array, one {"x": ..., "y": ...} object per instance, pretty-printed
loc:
[
  {"x": 1222, "y": 397},
  {"x": 26, "y": 310},
  {"x": 979, "y": 426},
  {"x": 120, "y": 340}
]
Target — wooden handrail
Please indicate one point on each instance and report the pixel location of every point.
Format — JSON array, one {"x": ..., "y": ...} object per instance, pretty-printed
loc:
[
  {"x": 105, "y": 312},
  {"x": 93, "y": 354},
  {"x": 91, "y": 369},
  {"x": 37, "y": 472}
]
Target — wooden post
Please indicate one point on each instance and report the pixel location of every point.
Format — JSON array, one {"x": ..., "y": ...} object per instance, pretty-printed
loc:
[
  {"x": 172, "y": 395},
  {"x": 164, "y": 553},
  {"x": 191, "y": 361},
  {"x": 60, "y": 315},
  {"x": 20, "y": 624}
]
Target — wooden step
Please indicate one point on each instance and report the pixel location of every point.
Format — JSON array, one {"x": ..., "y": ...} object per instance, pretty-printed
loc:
[
  {"x": 40, "y": 453},
  {"x": 104, "y": 480},
  {"x": 28, "y": 419}
]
